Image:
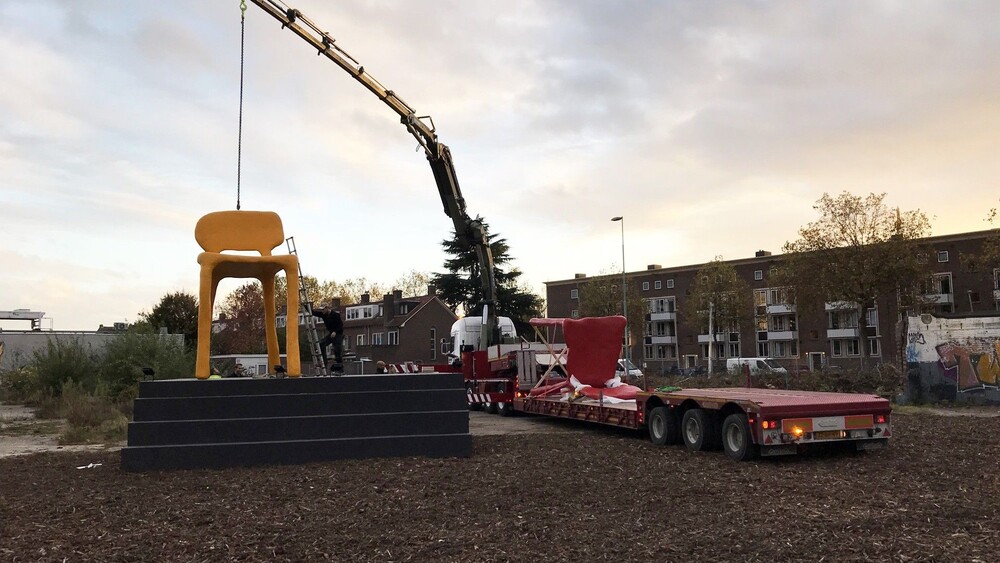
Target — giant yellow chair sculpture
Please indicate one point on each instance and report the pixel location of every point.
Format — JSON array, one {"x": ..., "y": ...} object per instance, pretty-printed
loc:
[{"x": 259, "y": 231}]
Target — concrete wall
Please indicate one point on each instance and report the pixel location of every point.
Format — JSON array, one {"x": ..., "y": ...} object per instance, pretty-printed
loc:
[
  {"x": 953, "y": 359},
  {"x": 19, "y": 346}
]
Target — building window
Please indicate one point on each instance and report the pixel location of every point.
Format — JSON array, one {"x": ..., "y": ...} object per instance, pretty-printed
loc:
[
  {"x": 361, "y": 340},
  {"x": 734, "y": 350},
  {"x": 393, "y": 338},
  {"x": 352, "y": 314},
  {"x": 670, "y": 284},
  {"x": 647, "y": 351},
  {"x": 758, "y": 275},
  {"x": 942, "y": 255},
  {"x": 941, "y": 284},
  {"x": 434, "y": 339},
  {"x": 645, "y": 286},
  {"x": 662, "y": 305},
  {"x": 762, "y": 349},
  {"x": 974, "y": 297},
  {"x": 404, "y": 308},
  {"x": 845, "y": 348},
  {"x": 574, "y": 294},
  {"x": 872, "y": 317},
  {"x": 658, "y": 284},
  {"x": 376, "y": 339},
  {"x": 873, "y": 349}
]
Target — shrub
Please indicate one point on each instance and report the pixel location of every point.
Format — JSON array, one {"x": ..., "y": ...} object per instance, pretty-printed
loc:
[
  {"x": 62, "y": 361},
  {"x": 20, "y": 385},
  {"x": 91, "y": 417},
  {"x": 124, "y": 358}
]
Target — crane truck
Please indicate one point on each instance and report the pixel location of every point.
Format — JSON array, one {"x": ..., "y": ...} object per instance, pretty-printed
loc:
[{"x": 504, "y": 373}]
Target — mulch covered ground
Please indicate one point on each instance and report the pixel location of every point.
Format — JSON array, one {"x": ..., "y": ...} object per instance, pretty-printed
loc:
[{"x": 578, "y": 496}]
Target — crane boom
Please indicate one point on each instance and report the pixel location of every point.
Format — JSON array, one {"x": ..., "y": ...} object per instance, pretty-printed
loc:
[{"x": 470, "y": 232}]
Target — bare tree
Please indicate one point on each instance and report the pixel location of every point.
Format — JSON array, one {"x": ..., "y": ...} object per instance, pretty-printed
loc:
[
  {"x": 720, "y": 301},
  {"x": 988, "y": 258},
  {"x": 857, "y": 252}
]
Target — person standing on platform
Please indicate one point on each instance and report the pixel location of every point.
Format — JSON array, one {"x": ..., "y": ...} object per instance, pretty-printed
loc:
[{"x": 335, "y": 335}]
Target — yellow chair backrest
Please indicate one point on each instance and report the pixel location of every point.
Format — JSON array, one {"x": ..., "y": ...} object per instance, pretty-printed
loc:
[{"x": 240, "y": 231}]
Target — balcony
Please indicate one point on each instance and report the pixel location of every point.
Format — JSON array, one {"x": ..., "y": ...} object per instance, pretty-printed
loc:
[
  {"x": 841, "y": 306},
  {"x": 842, "y": 333},
  {"x": 782, "y": 335},
  {"x": 661, "y": 340},
  {"x": 940, "y": 298},
  {"x": 663, "y": 316},
  {"x": 720, "y": 337},
  {"x": 780, "y": 309}
]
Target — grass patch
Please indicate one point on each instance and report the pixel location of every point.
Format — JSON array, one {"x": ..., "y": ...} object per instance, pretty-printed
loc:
[{"x": 30, "y": 428}]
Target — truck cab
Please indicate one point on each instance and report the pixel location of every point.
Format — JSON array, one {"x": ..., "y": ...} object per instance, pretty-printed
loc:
[{"x": 466, "y": 332}]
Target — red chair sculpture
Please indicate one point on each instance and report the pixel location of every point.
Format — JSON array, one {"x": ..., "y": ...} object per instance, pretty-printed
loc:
[{"x": 594, "y": 345}]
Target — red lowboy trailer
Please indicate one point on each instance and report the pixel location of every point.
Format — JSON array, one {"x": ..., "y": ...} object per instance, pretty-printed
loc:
[{"x": 743, "y": 422}]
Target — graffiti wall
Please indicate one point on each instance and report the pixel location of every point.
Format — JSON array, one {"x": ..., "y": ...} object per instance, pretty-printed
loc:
[{"x": 953, "y": 359}]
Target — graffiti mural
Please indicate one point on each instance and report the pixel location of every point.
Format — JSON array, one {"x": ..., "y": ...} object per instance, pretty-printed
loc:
[
  {"x": 953, "y": 359},
  {"x": 973, "y": 363}
]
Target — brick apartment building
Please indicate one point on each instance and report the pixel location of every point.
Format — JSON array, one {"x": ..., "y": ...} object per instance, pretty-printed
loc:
[
  {"x": 395, "y": 330},
  {"x": 830, "y": 338}
]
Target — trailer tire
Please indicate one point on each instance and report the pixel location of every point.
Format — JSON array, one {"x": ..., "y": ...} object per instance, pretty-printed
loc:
[
  {"x": 736, "y": 439},
  {"x": 490, "y": 408},
  {"x": 698, "y": 430},
  {"x": 663, "y": 426},
  {"x": 505, "y": 409}
]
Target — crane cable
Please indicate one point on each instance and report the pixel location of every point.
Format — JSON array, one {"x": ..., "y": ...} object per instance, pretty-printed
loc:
[{"x": 239, "y": 133}]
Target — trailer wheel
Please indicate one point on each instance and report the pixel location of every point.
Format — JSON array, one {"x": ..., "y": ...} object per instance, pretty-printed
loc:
[
  {"x": 736, "y": 439},
  {"x": 505, "y": 409},
  {"x": 663, "y": 426},
  {"x": 698, "y": 430},
  {"x": 490, "y": 408}
]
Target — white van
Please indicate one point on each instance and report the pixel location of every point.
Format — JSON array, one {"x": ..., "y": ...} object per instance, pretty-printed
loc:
[
  {"x": 757, "y": 365},
  {"x": 631, "y": 375}
]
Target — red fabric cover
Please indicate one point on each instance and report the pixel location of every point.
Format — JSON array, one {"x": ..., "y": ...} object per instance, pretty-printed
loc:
[
  {"x": 624, "y": 392},
  {"x": 594, "y": 346}
]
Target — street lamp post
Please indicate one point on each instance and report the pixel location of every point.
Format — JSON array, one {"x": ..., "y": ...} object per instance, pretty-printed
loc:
[{"x": 621, "y": 219}]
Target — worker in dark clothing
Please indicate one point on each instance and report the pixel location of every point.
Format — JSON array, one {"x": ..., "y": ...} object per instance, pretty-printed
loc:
[{"x": 335, "y": 335}]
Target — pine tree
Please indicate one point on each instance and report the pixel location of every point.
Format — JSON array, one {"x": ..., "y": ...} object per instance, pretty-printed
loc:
[{"x": 461, "y": 287}]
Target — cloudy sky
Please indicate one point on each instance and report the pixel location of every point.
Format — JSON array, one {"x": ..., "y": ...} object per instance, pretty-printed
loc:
[{"x": 712, "y": 127}]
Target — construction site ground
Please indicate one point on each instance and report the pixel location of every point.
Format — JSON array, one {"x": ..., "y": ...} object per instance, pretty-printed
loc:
[{"x": 533, "y": 489}]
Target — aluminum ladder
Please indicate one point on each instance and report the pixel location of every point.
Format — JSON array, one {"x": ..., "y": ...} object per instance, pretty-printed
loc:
[{"x": 319, "y": 366}]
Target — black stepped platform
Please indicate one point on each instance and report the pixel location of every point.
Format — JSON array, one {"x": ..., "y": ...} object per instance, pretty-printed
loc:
[{"x": 216, "y": 423}]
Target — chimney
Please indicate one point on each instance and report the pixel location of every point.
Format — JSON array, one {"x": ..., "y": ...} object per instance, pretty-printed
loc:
[
  {"x": 335, "y": 302},
  {"x": 397, "y": 294},
  {"x": 580, "y": 276},
  {"x": 762, "y": 253},
  {"x": 389, "y": 306},
  {"x": 654, "y": 267},
  {"x": 365, "y": 298},
  {"x": 432, "y": 289}
]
